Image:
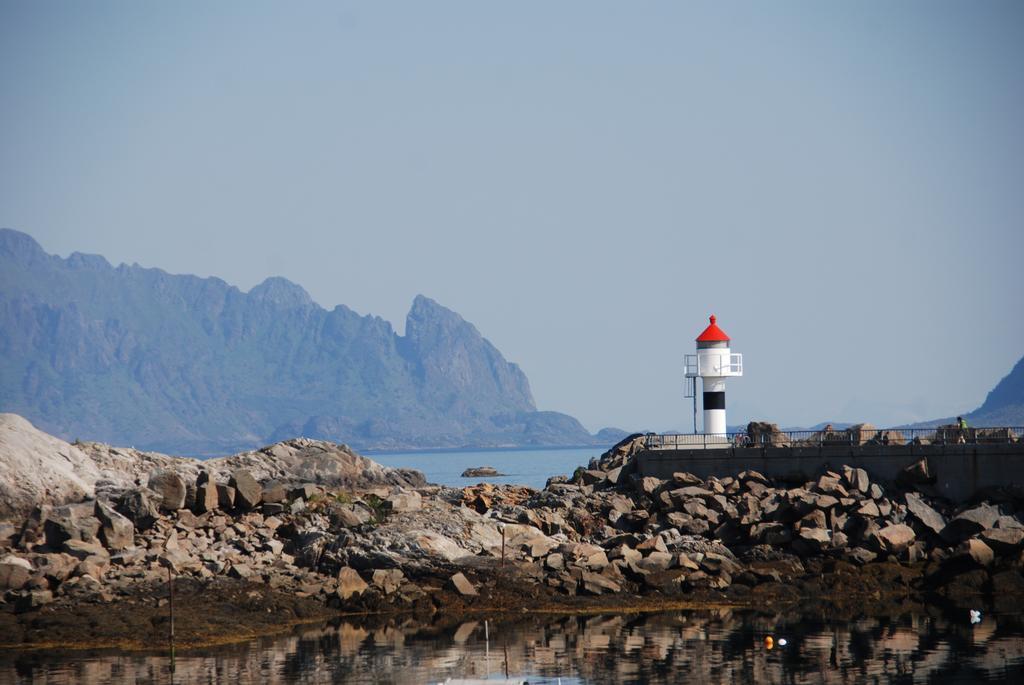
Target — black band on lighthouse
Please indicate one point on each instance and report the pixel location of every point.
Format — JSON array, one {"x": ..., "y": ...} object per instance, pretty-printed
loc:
[{"x": 714, "y": 400}]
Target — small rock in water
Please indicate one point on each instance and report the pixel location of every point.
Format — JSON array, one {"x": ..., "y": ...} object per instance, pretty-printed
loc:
[{"x": 481, "y": 472}]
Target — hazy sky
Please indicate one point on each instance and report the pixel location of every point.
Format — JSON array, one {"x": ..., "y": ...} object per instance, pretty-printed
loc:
[{"x": 841, "y": 183}]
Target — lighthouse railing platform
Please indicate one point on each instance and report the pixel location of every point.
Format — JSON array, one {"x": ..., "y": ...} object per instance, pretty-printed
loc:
[
  {"x": 710, "y": 364},
  {"x": 854, "y": 435}
]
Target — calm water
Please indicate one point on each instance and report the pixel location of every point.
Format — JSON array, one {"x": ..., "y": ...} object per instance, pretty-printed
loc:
[
  {"x": 524, "y": 467},
  {"x": 720, "y": 646}
]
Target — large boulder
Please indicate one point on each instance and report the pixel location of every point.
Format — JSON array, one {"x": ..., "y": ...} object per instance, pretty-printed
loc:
[
  {"x": 460, "y": 584},
  {"x": 36, "y": 468},
  {"x": 970, "y": 522},
  {"x": 350, "y": 583},
  {"x": 404, "y": 501},
  {"x": 70, "y": 522},
  {"x": 977, "y": 551},
  {"x": 248, "y": 492},
  {"x": 14, "y": 572},
  {"x": 896, "y": 537},
  {"x": 1003, "y": 541},
  {"x": 921, "y": 511},
  {"x": 116, "y": 531},
  {"x": 171, "y": 488},
  {"x": 207, "y": 497},
  {"x": 141, "y": 506}
]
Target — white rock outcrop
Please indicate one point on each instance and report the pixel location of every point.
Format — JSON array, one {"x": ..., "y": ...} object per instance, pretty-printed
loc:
[{"x": 36, "y": 467}]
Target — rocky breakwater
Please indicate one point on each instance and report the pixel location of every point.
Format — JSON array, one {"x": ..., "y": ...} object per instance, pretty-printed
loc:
[{"x": 374, "y": 539}]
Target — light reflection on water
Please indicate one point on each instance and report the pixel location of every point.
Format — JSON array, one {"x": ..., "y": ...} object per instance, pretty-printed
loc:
[{"x": 718, "y": 646}]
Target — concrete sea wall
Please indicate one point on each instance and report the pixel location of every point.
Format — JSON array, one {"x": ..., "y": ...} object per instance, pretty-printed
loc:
[{"x": 960, "y": 470}]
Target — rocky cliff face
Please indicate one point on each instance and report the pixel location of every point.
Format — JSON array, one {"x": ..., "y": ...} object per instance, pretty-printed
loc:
[{"x": 181, "y": 364}]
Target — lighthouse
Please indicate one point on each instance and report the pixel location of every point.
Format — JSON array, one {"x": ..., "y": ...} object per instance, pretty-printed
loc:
[{"x": 713, "y": 363}]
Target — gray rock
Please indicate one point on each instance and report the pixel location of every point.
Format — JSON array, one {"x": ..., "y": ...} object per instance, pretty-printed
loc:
[
  {"x": 684, "y": 478},
  {"x": 861, "y": 481},
  {"x": 869, "y": 508},
  {"x": 141, "y": 506},
  {"x": 896, "y": 537},
  {"x": 240, "y": 571},
  {"x": 82, "y": 550},
  {"x": 116, "y": 531},
  {"x": 480, "y": 472},
  {"x": 274, "y": 492},
  {"x": 928, "y": 517},
  {"x": 225, "y": 497},
  {"x": 33, "y": 600},
  {"x": 304, "y": 491},
  {"x": 70, "y": 522},
  {"x": 815, "y": 519},
  {"x": 917, "y": 473},
  {"x": 207, "y": 498},
  {"x": 14, "y": 572},
  {"x": 171, "y": 488},
  {"x": 687, "y": 525},
  {"x": 597, "y": 584},
  {"x": 1003, "y": 541},
  {"x": 771, "y": 534},
  {"x": 388, "y": 581},
  {"x": 648, "y": 485},
  {"x": 655, "y": 562},
  {"x": 1009, "y": 522},
  {"x": 461, "y": 585},
  {"x": 350, "y": 583},
  {"x": 970, "y": 522},
  {"x": 592, "y": 476},
  {"x": 830, "y": 485},
  {"x": 978, "y": 551},
  {"x": 94, "y": 567},
  {"x": 812, "y": 541},
  {"x": 860, "y": 556},
  {"x": 680, "y": 496},
  {"x": 8, "y": 534},
  {"x": 404, "y": 501},
  {"x": 248, "y": 493},
  {"x": 56, "y": 567}
]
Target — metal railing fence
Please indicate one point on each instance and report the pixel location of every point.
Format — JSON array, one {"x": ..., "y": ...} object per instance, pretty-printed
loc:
[{"x": 855, "y": 435}]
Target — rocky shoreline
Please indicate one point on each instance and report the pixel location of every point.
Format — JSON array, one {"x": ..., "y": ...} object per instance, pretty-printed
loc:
[{"x": 304, "y": 530}]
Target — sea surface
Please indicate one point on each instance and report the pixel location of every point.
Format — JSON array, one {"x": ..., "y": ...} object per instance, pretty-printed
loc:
[
  {"x": 523, "y": 466},
  {"x": 709, "y": 646}
]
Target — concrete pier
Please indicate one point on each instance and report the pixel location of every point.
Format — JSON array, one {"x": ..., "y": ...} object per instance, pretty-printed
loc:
[{"x": 961, "y": 470}]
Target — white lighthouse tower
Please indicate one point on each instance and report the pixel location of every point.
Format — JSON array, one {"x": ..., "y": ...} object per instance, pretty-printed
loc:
[{"x": 713, "y": 363}]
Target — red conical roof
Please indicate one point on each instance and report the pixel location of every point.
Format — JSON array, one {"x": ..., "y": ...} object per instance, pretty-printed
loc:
[{"x": 713, "y": 333}]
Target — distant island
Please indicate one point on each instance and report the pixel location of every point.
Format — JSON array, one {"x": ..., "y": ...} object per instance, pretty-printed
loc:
[{"x": 189, "y": 365}]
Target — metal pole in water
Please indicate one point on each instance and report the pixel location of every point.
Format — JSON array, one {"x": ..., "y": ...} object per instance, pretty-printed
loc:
[{"x": 170, "y": 583}]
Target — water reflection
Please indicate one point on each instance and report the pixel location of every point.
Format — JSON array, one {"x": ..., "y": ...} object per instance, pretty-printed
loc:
[{"x": 721, "y": 646}]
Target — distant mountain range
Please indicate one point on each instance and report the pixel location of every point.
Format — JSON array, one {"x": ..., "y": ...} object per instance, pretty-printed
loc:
[{"x": 189, "y": 365}]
